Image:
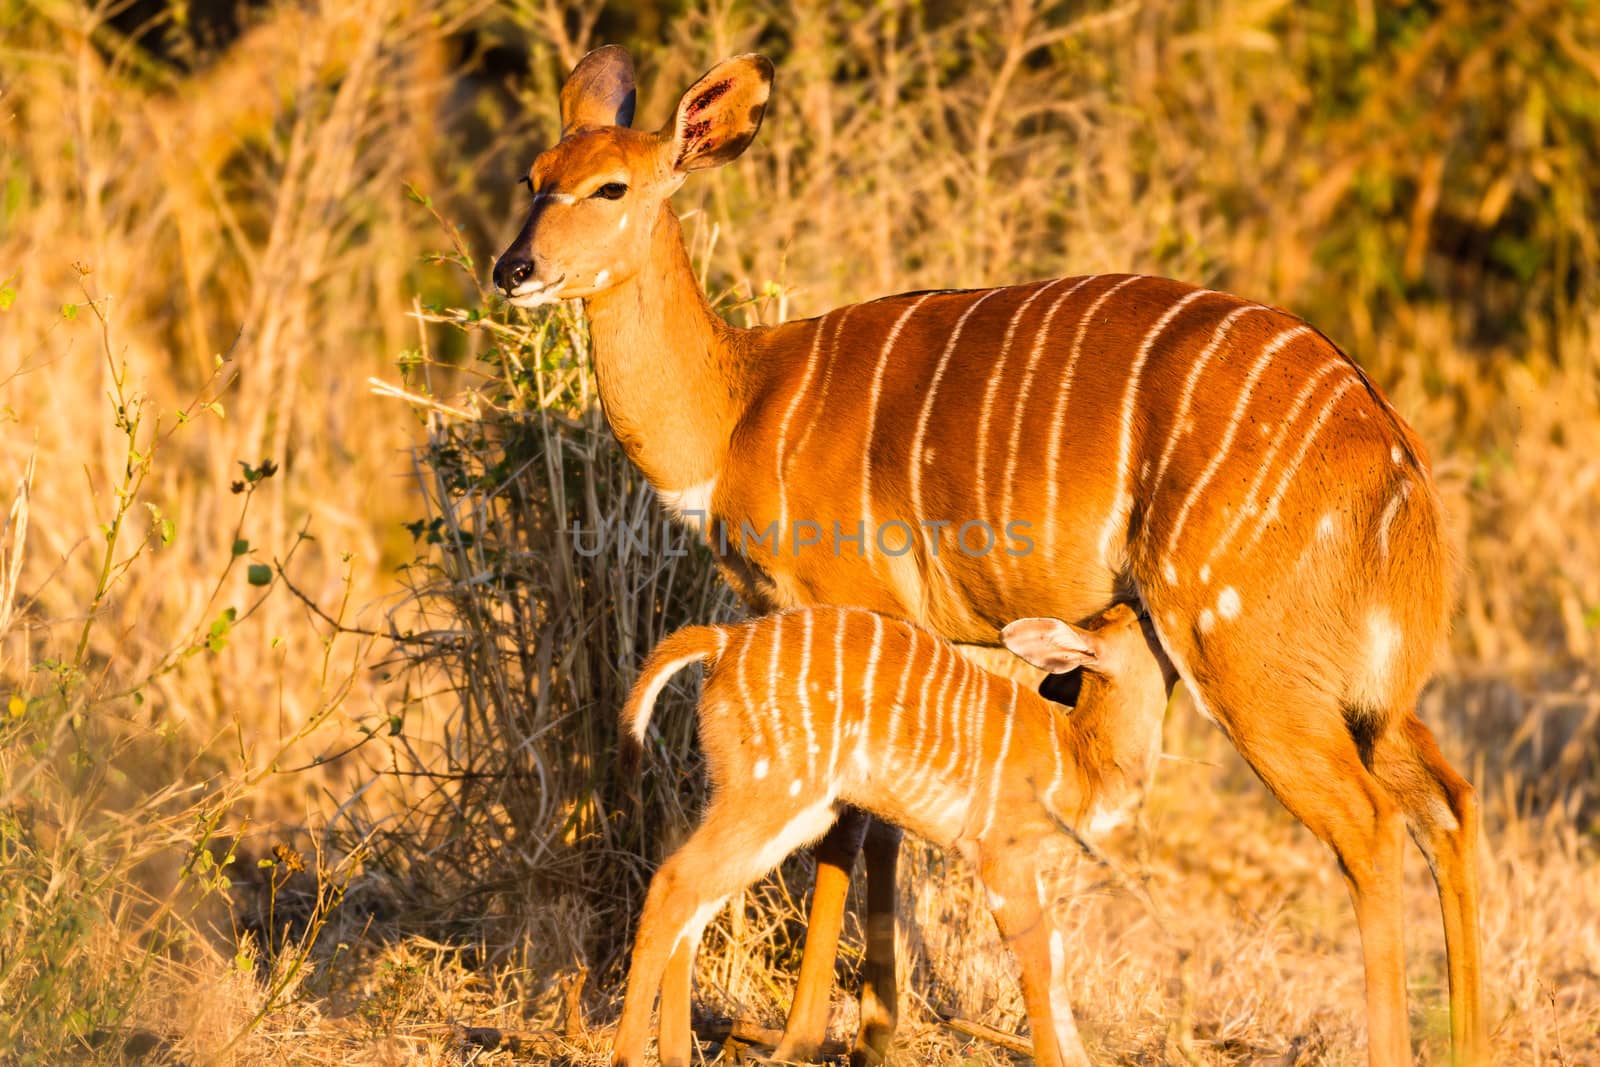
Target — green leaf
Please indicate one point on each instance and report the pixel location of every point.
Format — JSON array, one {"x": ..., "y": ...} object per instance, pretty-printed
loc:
[
  {"x": 69, "y": 311},
  {"x": 259, "y": 574},
  {"x": 8, "y": 296},
  {"x": 240, "y": 546}
]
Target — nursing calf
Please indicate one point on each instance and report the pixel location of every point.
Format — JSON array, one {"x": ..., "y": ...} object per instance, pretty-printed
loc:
[{"x": 806, "y": 711}]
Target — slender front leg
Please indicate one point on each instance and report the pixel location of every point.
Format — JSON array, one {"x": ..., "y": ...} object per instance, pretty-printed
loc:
[
  {"x": 674, "y": 1039},
  {"x": 835, "y": 854},
  {"x": 1014, "y": 895},
  {"x": 880, "y": 1002}
]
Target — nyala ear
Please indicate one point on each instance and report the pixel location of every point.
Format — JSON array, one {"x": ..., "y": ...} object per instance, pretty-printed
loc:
[
  {"x": 599, "y": 91},
  {"x": 719, "y": 116},
  {"x": 1050, "y": 644}
]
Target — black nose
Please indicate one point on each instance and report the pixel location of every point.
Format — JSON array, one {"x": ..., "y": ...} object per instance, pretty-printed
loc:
[{"x": 510, "y": 273}]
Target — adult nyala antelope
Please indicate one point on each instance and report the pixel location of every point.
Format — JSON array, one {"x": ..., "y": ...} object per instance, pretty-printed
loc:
[
  {"x": 1216, "y": 459},
  {"x": 808, "y": 709}
]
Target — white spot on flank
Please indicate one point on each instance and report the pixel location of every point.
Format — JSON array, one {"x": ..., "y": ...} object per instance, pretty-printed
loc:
[
  {"x": 601, "y": 279},
  {"x": 1205, "y": 574},
  {"x": 1383, "y": 641},
  {"x": 761, "y": 768},
  {"x": 996, "y": 901},
  {"x": 1327, "y": 526},
  {"x": 1207, "y": 620},
  {"x": 794, "y": 788},
  {"x": 1170, "y": 572},
  {"x": 1228, "y": 603}
]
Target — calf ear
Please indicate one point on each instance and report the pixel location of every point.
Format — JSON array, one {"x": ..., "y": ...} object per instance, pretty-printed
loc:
[
  {"x": 599, "y": 91},
  {"x": 1050, "y": 644},
  {"x": 719, "y": 116}
]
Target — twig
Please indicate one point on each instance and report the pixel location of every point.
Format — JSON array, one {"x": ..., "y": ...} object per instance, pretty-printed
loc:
[{"x": 1008, "y": 1041}]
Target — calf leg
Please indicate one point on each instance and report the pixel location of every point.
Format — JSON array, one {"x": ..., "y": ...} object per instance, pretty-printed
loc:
[
  {"x": 737, "y": 844},
  {"x": 1010, "y": 877}
]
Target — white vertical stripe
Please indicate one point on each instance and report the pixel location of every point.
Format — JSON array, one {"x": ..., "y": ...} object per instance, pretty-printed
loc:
[
  {"x": 826, "y": 390},
  {"x": 808, "y": 621},
  {"x": 915, "y": 764},
  {"x": 1122, "y": 505},
  {"x": 1186, "y": 402},
  {"x": 761, "y": 738},
  {"x": 775, "y": 713},
  {"x": 836, "y": 699},
  {"x": 959, "y": 743},
  {"x": 892, "y": 743},
  {"x": 1058, "y": 415},
  {"x": 1250, "y": 506},
  {"x": 1000, "y": 763},
  {"x": 1246, "y": 393},
  {"x": 872, "y": 413},
  {"x": 1271, "y": 510},
  {"x": 1020, "y": 410},
  {"x": 783, "y": 430},
  {"x": 927, "y": 408},
  {"x": 981, "y": 496},
  {"x": 868, "y": 680},
  {"x": 986, "y": 696}
]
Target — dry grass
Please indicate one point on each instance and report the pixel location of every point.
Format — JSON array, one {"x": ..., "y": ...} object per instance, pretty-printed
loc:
[{"x": 423, "y": 719}]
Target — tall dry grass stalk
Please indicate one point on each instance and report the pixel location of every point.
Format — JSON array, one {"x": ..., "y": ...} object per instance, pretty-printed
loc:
[{"x": 229, "y": 220}]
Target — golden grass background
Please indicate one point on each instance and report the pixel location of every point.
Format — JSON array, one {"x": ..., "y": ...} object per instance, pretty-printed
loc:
[{"x": 261, "y": 207}]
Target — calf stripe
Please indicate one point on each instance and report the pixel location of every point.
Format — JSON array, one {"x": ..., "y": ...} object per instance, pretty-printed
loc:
[
  {"x": 805, "y": 697},
  {"x": 868, "y": 679},
  {"x": 1000, "y": 761},
  {"x": 836, "y": 697}
]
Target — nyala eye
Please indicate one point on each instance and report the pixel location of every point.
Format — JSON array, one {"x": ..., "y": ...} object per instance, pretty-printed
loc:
[{"x": 611, "y": 191}]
